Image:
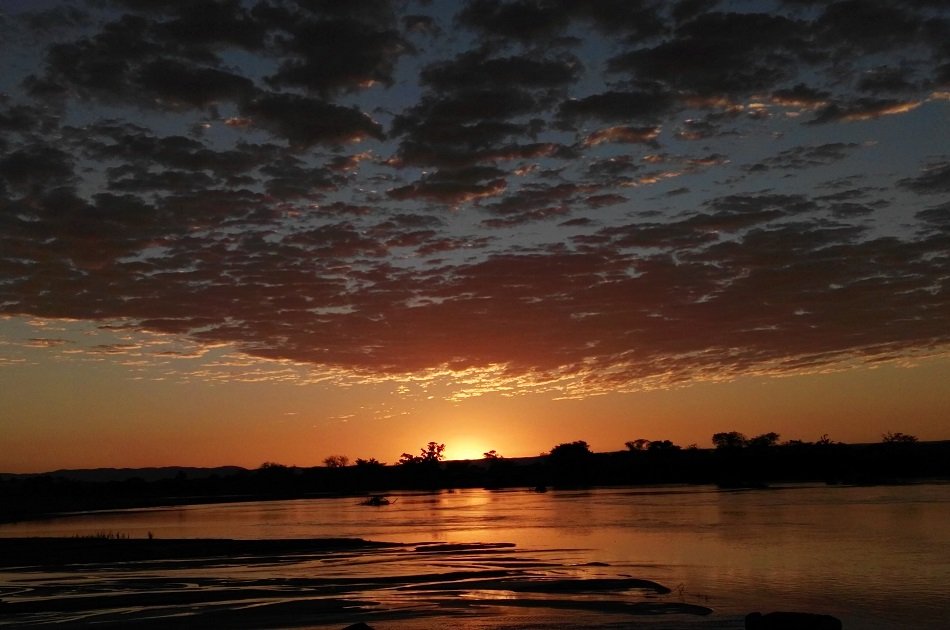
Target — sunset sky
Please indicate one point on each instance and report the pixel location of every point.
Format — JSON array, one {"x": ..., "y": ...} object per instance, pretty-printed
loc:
[{"x": 242, "y": 231}]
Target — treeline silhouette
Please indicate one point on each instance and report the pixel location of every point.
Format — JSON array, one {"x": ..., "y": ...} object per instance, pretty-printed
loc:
[{"x": 735, "y": 462}]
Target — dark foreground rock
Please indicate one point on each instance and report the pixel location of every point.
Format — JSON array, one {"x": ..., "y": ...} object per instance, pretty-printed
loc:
[{"x": 791, "y": 621}]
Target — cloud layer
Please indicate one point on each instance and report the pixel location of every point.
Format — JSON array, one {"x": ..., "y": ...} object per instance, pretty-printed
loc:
[{"x": 594, "y": 195}]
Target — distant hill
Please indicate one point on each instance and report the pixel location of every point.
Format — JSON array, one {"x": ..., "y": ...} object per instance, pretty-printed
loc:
[{"x": 100, "y": 475}]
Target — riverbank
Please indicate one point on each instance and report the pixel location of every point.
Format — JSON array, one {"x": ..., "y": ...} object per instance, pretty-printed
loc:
[
  {"x": 190, "y": 583},
  {"x": 27, "y": 497}
]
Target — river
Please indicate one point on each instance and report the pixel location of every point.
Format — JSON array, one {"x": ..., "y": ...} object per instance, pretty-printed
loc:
[{"x": 876, "y": 557}]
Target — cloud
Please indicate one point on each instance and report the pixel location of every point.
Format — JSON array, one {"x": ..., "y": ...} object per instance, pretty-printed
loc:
[
  {"x": 176, "y": 84},
  {"x": 131, "y": 144},
  {"x": 304, "y": 121},
  {"x": 328, "y": 55},
  {"x": 168, "y": 56},
  {"x": 807, "y": 157},
  {"x": 868, "y": 26},
  {"x": 43, "y": 342},
  {"x": 618, "y": 106},
  {"x": 461, "y": 127},
  {"x": 424, "y": 24},
  {"x": 934, "y": 179},
  {"x": 886, "y": 79},
  {"x": 938, "y": 217},
  {"x": 863, "y": 109},
  {"x": 480, "y": 108},
  {"x": 477, "y": 68},
  {"x": 644, "y": 135},
  {"x": 527, "y": 21},
  {"x": 35, "y": 167},
  {"x": 599, "y": 201},
  {"x": 541, "y": 194},
  {"x": 718, "y": 53},
  {"x": 454, "y": 186},
  {"x": 800, "y": 96},
  {"x": 21, "y": 119},
  {"x": 693, "y": 129},
  {"x": 521, "y": 20},
  {"x": 290, "y": 178}
]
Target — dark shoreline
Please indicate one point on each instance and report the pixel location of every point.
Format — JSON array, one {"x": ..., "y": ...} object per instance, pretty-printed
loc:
[{"x": 32, "y": 497}]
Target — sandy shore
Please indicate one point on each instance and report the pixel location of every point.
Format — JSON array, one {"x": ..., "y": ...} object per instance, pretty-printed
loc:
[{"x": 324, "y": 583}]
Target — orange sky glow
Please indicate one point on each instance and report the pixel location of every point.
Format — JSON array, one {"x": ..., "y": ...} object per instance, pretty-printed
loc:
[{"x": 100, "y": 415}]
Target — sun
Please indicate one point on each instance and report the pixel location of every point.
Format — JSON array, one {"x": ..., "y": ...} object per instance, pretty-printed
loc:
[{"x": 465, "y": 448}]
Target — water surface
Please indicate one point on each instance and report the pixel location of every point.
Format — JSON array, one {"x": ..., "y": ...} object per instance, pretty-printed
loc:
[{"x": 876, "y": 557}]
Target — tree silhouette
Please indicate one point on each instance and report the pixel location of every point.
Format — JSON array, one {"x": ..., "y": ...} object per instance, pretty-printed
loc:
[
  {"x": 336, "y": 461},
  {"x": 765, "y": 440},
  {"x": 493, "y": 454},
  {"x": 570, "y": 463},
  {"x": 729, "y": 440},
  {"x": 432, "y": 453},
  {"x": 640, "y": 444},
  {"x": 662, "y": 446},
  {"x": 571, "y": 450}
]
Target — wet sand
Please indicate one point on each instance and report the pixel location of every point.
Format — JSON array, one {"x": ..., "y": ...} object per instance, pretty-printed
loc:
[{"x": 325, "y": 583}]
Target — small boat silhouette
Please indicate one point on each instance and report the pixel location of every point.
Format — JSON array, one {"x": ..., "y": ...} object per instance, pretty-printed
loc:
[{"x": 378, "y": 500}]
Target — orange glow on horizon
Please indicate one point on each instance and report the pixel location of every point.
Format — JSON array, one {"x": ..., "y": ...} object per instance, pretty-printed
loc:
[
  {"x": 466, "y": 448},
  {"x": 67, "y": 419}
]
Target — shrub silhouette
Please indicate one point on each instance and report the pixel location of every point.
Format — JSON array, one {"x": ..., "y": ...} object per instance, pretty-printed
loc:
[{"x": 898, "y": 438}]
